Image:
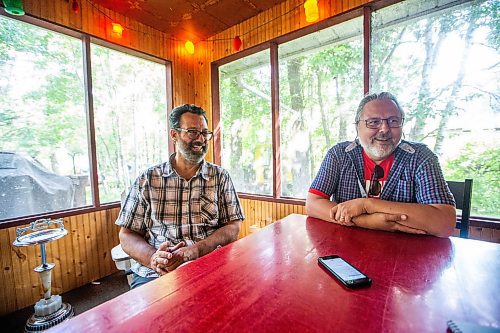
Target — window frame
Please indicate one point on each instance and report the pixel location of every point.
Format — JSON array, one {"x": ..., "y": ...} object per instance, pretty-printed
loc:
[
  {"x": 366, "y": 12},
  {"x": 86, "y": 40},
  {"x": 272, "y": 45}
]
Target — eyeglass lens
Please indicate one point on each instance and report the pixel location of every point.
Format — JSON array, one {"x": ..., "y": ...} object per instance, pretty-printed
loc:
[
  {"x": 193, "y": 134},
  {"x": 392, "y": 122}
]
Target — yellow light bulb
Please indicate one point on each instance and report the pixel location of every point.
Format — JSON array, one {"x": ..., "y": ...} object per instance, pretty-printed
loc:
[
  {"x": 117, "y": 29},
  {"x": 189, "y": 47},
  {"x": 312, "y": 11}
]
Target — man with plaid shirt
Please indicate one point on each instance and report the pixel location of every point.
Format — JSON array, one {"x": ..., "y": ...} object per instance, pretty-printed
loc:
[
  {"x": 182, "y": 209},
  {"x": 381, "y": 182}
]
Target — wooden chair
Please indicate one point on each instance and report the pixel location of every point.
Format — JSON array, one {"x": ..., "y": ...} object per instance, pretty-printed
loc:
[{"x": 462, "y": 191}]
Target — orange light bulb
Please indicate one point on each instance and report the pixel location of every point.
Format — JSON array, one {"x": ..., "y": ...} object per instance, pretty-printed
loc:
[{"x": 117, "y": 30}]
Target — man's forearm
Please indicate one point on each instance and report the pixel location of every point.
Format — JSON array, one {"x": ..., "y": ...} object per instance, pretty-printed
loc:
[
  {"x": 221, "y": 236},
  {"x": 136, "y": 246},
  {"x": 386, "y": 222},
  {"x": 437, "y": 220},
  {"x": 319, "y": 207}
]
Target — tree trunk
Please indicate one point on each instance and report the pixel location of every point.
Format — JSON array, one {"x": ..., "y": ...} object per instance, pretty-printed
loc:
[
  {"x": 424, "y": 109},
  {"x": 457, "y": 85},
  {"x": 301, "y": 159},
  {"x": 376, "y": 75},
  {"x": 324, "y": 121},
  {"x": 342, "y": 121},
  {"x": 236, "y": 143}
]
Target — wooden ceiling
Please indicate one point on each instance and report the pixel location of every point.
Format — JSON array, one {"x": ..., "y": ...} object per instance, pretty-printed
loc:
[{"x": 189, "y": 19}]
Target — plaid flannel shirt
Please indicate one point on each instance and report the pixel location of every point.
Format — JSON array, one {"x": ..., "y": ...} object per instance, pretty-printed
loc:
[{"x": 167, "y": 208}]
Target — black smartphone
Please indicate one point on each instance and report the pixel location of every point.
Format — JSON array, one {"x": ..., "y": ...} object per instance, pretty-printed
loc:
[{"x": 343, "y": 271}]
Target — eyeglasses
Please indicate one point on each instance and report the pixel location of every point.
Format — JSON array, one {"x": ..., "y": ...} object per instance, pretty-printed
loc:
[
  {"x": 375, "y": 123},
  {"x": 375, "y": 186},
  {"x": 194, "y": 134}
]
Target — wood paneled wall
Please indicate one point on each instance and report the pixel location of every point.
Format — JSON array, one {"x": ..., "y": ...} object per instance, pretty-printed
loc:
[
  {"x": 484, "y": 234},
  {"x": 84, "y": 256},
  {"x": 263, "y": 213}
]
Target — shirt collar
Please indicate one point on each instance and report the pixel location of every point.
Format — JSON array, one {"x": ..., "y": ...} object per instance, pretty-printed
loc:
[
  {"x": 203, "y": 170},
  {"x": 168, "y": 170}
]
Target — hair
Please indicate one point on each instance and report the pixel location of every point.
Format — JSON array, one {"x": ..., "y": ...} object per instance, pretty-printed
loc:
[
  {"x": 174, "y": 119},
  {"x": 377, "y": 96}
]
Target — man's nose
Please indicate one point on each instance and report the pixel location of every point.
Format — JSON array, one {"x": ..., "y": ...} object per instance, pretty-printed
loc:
[
  {"x": 384, "y": 127},
  {"x": 201, "y": 138}
]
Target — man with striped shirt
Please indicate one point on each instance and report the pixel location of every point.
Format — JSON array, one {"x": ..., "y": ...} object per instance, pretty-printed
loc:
[
  {"x": 380, "y": 181},
  {"x": 182, "y": 209}
]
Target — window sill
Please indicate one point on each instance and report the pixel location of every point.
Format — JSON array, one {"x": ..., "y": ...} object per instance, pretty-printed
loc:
[{"x": 14, "y": 222}]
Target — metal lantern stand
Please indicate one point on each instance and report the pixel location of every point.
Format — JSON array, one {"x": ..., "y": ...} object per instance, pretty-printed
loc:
[{"x": 50, "y": 310}]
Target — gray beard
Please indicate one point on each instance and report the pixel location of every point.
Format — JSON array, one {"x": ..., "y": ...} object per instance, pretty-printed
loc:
[
  {"x": 189, "y": 155},
  {"x": 380, "y": 153},
  {"x": 193, "y": 158}
]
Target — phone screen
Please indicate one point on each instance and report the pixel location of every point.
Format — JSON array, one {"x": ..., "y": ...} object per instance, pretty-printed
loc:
[{"x": 343, "y": 269}]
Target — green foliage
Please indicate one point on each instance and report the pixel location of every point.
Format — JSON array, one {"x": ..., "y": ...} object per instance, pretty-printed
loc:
[
  {"x": 44, "y": 115},
  {"x": 319, "y": 91},
  {"x": 130, "y": 117},
  {"x": 245, "y": 101},
  {"x": 246, "y": 128},
  {"x": 435, "y": 86},
  {"x": 483, "y": 167},
  {"x": 42, "y": 106}
]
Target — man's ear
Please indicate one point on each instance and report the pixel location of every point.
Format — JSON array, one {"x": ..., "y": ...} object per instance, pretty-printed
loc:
[{"x": 173, "y": 135}]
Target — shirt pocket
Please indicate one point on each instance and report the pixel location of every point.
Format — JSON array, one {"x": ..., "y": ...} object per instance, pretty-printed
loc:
[
  {"x": 209, "y": 209},
  {"x": 405, "y": 191}
]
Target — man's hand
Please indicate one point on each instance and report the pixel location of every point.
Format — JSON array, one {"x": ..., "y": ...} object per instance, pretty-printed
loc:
[
  {"x": 183, "y": 255},
  {"x": 383, "y": 221},
  {"x": 160, "y": 260},
  {"x": 220, "y": 237},
  {"x": 344, "y": 212}
]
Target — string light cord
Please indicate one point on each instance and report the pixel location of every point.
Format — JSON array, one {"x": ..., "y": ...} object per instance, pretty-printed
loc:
[
  {"x": 257, "y": 27},
  {"x": 204, "y": 40},
  {"x": 124, "y": 26}
]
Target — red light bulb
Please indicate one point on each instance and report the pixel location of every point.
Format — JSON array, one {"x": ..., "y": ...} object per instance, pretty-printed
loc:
[
  {"x": 75, "y": 6},
  {"x": 237, "y": 43}
]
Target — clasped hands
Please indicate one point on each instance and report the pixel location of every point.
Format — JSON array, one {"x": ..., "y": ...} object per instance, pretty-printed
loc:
[
  {"x": 167, "y": 258},
  {"x": 354, "y": 213}
]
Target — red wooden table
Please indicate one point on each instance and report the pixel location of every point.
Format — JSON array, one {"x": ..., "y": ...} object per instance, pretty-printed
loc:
[{"x": 270, "y": 282}]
